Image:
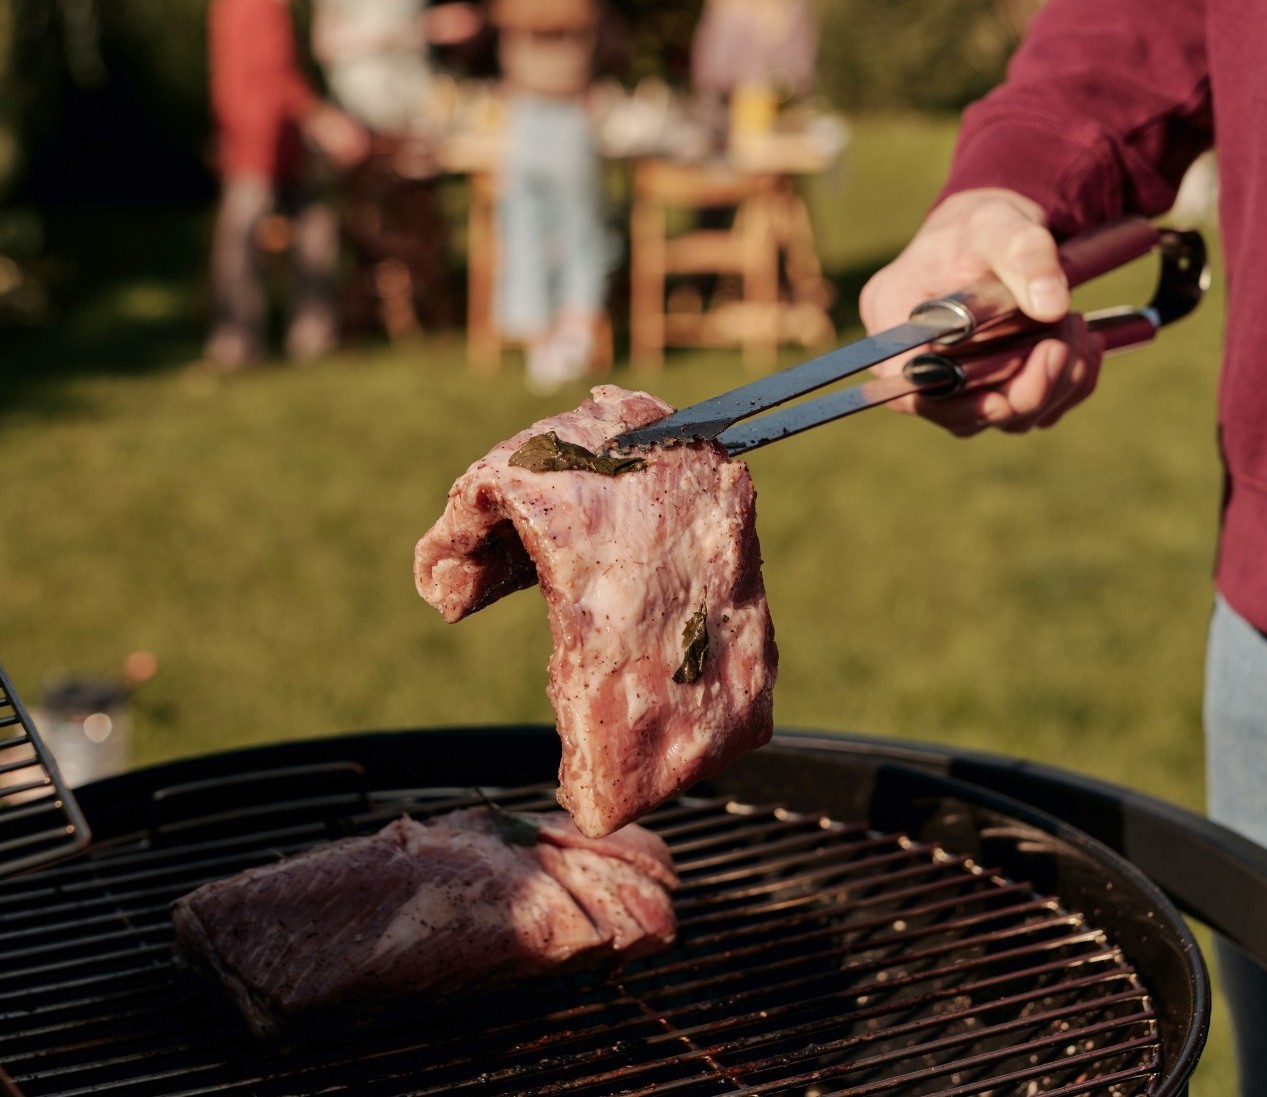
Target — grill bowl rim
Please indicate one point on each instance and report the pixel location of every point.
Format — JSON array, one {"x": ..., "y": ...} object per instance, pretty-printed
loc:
[{"x": 510, "y": 755}]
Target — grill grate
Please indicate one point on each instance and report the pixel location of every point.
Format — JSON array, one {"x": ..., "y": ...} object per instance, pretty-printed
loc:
[
  {"x": 814, "y": 957},
  {"x": 39, "y": 819}
]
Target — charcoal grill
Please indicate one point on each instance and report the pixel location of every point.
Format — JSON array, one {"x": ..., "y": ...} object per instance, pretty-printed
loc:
[{"x": 849, "y": 924}]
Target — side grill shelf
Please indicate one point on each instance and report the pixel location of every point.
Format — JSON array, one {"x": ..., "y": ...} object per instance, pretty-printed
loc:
[{"x": 40, "y": 822}]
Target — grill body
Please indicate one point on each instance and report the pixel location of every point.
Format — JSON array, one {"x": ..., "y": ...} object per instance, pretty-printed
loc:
[{"x": 847, "y": 926}]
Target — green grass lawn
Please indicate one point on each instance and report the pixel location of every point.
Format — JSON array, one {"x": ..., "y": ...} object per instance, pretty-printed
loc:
[{"x": 1043, "y": 596}]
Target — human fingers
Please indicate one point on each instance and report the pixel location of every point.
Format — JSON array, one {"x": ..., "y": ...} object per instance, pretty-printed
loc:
[
  {"x": 967, "y": 237},
  {"x": 970, "y": 235},
  {"x": 1046, "y": 382},
  {"x": 1060, "y": 373},
  {"x": 343, "y": 140},
  {"x": 1080, "y": 379},
  {"x": 1021, "y": 253}
]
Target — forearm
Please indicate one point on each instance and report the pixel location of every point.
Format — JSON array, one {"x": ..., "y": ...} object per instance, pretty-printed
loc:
[{"x": 1105, "y": 106}]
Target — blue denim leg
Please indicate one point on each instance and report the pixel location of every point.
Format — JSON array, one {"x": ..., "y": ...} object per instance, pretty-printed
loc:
[
  {"x": 553, "y": 244},
  {"x": 1236, "y": 777},
  {"x": 525, "y": 297}
]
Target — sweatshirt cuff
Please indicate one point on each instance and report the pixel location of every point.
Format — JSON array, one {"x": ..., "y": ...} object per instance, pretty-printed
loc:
[{"x": 1067, "y": 178}]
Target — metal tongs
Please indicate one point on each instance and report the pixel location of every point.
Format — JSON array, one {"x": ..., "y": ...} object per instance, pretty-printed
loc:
[{"x": 978, "y": 333}]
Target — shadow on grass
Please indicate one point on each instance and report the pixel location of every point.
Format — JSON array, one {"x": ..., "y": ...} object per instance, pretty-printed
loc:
[
  {"x": 128, "y": 288},
  {"x": 125, "y": 289}
]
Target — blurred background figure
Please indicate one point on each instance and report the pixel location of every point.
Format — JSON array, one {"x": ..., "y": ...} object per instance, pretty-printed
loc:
[
  {"x": 376, "y": 56},
  {"x": 553, "y": 250},
  {"x": 270, "y": 123},
  {"x": 377, "y": 59},
  {"x": 748, "y": 57}
]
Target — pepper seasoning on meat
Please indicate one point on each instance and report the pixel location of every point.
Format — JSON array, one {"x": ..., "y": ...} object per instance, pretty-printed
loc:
[{"x": 624, "y": 562}]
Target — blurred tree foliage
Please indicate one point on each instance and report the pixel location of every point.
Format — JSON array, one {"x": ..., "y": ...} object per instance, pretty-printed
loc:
[
  {"x": 149, "y": 57},
  {"x": 159, "y": 48},
  {"x": 916, "y": 55},
  {"x": 31, "y": 66},
  {"x": 92, "y": 88},
  {"x": 874, "y": 55}
]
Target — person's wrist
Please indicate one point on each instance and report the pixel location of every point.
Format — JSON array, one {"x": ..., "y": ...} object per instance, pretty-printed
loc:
[{"x": 962, "y": 204}]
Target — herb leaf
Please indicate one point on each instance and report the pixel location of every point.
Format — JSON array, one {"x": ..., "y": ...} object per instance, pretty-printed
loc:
[
  {"x": 516, "y": 830},
  {"x": 695, "y": 639},
  {"x": 548, "y": 453}
]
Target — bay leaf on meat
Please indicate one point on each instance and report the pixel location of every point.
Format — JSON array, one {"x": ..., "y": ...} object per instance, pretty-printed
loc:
[
  {"x": 695, "y": 647},
  {"x": 549, "y": 453}
]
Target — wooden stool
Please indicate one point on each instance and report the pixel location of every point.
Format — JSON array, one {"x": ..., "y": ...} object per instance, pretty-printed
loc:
[{"x": 769, "y": 239}]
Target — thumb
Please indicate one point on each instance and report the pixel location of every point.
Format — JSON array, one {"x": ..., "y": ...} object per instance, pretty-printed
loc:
[
  {"x": 1027, "y": 261},
  {"x": 1043, "y": 297}
]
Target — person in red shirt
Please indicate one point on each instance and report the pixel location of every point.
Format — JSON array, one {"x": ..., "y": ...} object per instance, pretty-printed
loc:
[
  {"x": 1104, "y": 108},
  {"x": 268, "y": 121}
]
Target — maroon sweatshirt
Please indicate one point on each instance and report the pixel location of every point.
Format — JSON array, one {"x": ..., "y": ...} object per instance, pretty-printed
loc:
[{"x": 1105, "y": 106}]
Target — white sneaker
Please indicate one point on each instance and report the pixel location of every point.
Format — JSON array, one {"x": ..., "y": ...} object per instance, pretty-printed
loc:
[
  {"x": 544, "y": 371},
  {"x": 564, "y": 357},
  {"x": 573, "y": 350}
]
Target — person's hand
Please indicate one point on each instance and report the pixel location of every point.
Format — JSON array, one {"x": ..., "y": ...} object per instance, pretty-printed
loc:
[
  {"x": 967, "y": 236},
  {"x": 453, "y": 24},
  {"x": 339, "y": 137}
]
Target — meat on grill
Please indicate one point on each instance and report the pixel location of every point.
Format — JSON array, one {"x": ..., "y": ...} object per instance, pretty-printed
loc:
[
  {"x": 626, "y": 564},
  {"x": 465, "y": 902}
]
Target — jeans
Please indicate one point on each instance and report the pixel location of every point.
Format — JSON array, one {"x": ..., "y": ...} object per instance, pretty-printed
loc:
[
  {"x": 1236, "y": 778},
  {"x": 553, "y": 242},
  {"x": 239, "y": 298}
]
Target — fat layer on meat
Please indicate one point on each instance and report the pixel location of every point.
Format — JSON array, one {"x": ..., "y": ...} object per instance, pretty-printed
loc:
[
  {"x": 624, "y": 562},
  {"x": 424, "y": 909}
]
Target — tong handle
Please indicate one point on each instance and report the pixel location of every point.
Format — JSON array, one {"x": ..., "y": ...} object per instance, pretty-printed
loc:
[
  {"x": 987, "y": 303},
  {"x": 945, "y": 375},
  {"x": 994, "y": 357}
]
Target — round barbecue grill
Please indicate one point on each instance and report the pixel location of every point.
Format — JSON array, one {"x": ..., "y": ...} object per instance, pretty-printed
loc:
[{"x": 849, "y": 923}]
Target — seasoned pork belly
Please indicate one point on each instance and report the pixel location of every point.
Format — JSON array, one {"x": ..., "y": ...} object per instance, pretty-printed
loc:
[
  {"x": 466, "y": 901},
  {"x": 664, "y": 659}
]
